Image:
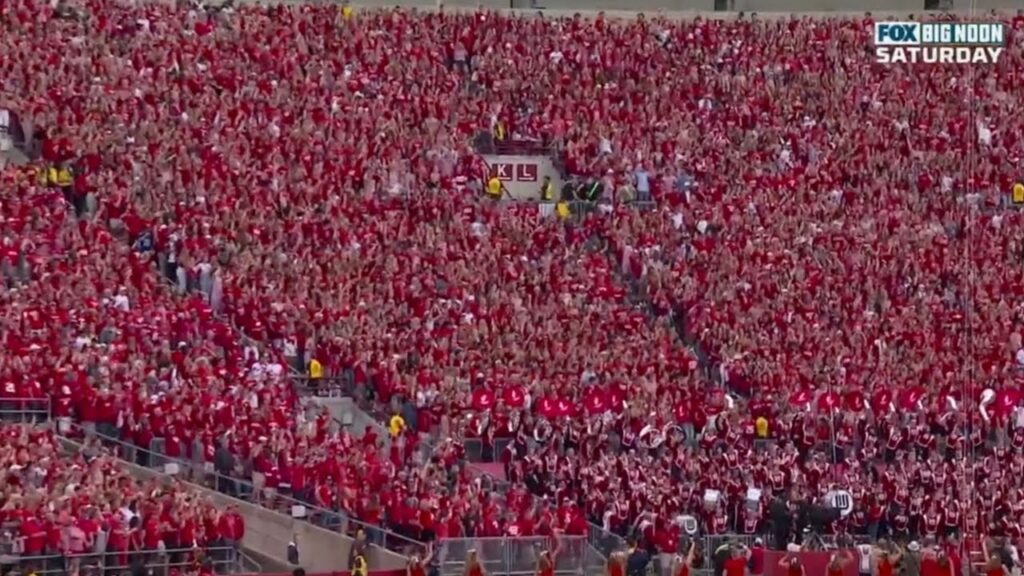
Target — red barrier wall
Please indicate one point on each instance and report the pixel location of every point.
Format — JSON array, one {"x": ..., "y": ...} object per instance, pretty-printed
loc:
[{"x": 814, "y": 563}]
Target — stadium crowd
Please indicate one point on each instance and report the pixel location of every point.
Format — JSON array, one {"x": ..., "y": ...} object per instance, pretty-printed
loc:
[
  {"x": 829, "y": 267},
  {"x": 69, "y": 512}
]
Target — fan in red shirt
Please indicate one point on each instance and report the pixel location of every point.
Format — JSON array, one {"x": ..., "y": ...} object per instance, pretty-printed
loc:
[
  {"x": 548, "y": 557},
  {"x": 736, "y": 564},
  {"x": 682, "y": 565},
  {"x": 792, "y": 565},
  {"x": 418, "y": 566}
]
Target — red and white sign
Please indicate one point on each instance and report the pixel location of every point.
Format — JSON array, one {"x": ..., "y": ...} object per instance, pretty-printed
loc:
[
  {"x": 509, "y": 172},
  {"x": 526, "y": 172}
]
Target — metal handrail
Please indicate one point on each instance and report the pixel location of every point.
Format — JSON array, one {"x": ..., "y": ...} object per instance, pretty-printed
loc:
[
  {"x": 341, "y": 384},
  {"x": 224, "y": 556},
  {"x": 245, "y": 560},
  {"x": 27, "y": 409},
  {"x": 604, "y": 541},
  {"x": 510, "y": 555},
  {"x": 336, "y": 520}
]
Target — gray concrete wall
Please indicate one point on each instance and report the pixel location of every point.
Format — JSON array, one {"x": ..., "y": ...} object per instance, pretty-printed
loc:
[
  {"x": 522, "y": 175},
  {"x": 345, "y": 412},
  {"x": 268, "y": 533}
]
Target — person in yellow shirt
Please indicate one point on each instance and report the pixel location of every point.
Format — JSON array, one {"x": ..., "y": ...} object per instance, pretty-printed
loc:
[
  {"x": 314, "y": 375},
  {"x": 64, "y": 177},
  {"x": 494, "y": 188},
  {"x": 396, "y": 425},
  {"x": 761, "y": 427},
  {"x": 562, "y": 210},
  {"x": 316, "y": 370},
  {"x": 346, "y": 11},
  {"x": 1017, "y": 193}
]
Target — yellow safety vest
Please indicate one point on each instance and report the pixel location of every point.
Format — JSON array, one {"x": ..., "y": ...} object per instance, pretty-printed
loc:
[
  {"x": 64, "y": 177},
  {"x": 547, "y": 192},
  {"x": 315, "y": 369},
  {"x": 396, "y": 425},
  {"x": 562, "y": 209},
  {"x": 494, "y": 187},
  {"x": 359, "y": 567},
  {"x": 1017, "y": 195},
  {"x": 499, "y": 131},
  {"x": 51, "y": 176},
  {"x": 761, "y": 426}
]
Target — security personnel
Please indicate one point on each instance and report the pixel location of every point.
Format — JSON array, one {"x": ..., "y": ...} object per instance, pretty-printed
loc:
[
  {"x": 316, "y": 373},
  {"x": 761, "y": 427},
  {"x": 499, "y": 132},
  {"x": 547, "y": 190},
  {"x": 1017, "y": 194},
  {"x": 64, "y": 178},
  {"x": 396, "y": 425},
  {"x": 357, "y": 555},
  {"x": 316, "y": 370},
  {"x": 494, "y": 188},
  {"x": 359, "y": 566}
]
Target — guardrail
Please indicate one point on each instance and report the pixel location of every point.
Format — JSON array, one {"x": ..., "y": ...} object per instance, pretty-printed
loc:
[
  {"x": 342, "y": 385},
  {"x": 516, "y": 556},
  {"x": 603, "y": 541},
  {"x": 300, "y": 508},
  {"x": 220, "y": 559},
  {"x": 24, "y": 410}
]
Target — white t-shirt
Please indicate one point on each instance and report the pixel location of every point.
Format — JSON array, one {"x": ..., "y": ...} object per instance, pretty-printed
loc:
[{"x": 864, "y": 563}]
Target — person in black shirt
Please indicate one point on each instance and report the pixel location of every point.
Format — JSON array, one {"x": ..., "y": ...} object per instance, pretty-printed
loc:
[{"x": 637, "y": 559}]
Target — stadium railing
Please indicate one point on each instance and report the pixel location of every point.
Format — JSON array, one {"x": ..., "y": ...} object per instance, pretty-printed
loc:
[
  {"x": 604, "y": 541},
  {"x": 298, "y": 508},
  {"x": 220, "y": 559},
  {"x": 511, "y": 556},
  {"x": 24, "y": 410}
]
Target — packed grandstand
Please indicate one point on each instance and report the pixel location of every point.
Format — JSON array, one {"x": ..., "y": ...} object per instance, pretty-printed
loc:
[{"x": 779, "y": 293}]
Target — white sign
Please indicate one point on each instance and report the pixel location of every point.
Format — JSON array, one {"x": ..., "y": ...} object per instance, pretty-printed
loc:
[
  {"x": 688, "y": 524},
  {"x": 711, "y": 498},
  {"x": 753, "y": 498},
  {"x": 842, "y": 500},
  {"x": 938, "y": 42}
]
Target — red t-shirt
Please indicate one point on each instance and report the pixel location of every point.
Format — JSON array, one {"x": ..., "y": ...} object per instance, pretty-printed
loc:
[
  {"x": 735, "y": 566},
  {"x": 35, "y": 536},
  {"x": 930, "y": 567}
]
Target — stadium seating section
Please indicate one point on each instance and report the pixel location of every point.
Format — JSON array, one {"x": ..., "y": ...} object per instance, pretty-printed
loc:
[{"x": 823, "y": 296}]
